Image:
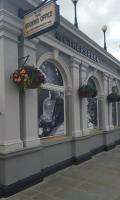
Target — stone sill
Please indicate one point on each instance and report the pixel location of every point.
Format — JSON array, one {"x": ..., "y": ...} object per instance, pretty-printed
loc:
[
  {"x": 92, "y": 134},
  {"x": 116, "y": 128},
  {"x": 54, "y": 140}
]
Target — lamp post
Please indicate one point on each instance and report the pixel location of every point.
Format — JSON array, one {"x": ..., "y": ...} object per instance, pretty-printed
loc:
[
  {"x": 104, "y": 29},
  {"x": 75, "y": 6}
]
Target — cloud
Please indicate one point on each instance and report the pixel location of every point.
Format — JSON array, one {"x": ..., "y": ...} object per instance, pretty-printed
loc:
[{"x": 92, "y": 15}]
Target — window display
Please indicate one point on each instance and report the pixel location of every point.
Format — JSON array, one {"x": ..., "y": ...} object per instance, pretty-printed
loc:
[
  {"x": 115, "y": 108},
  {"x": 51, "y": 103},
  {"x": 92, "y": 108}
]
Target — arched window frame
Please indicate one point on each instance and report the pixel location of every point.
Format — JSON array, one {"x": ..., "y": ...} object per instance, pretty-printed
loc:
[
  {"x": 115, "y": 108},
  {"x": 94, "y": 98},
  {"x": 96, "y": 77},
  {"x": 56, "y": 88}
]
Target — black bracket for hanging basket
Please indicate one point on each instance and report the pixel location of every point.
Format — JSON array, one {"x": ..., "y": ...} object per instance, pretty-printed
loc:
[{"x": 25, "y": 57}]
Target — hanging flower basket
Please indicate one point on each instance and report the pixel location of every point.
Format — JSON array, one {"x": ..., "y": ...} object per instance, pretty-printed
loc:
[
  {"x": 28, "y": 77},
  {"x": 113, "y": 97},
  {"x": 87, "y": 91}
]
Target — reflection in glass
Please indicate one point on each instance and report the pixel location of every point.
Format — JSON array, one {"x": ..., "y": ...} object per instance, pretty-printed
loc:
[
  {"x": 114, "y": 107},
  {"x": 92, "y": 112},
  {"x": 114, "y": 113},
  {"x": 52, "y": 74},
  {"x": 115, "y": 89}
]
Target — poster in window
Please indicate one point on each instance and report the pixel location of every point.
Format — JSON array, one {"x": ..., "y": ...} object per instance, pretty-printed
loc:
[
  {"x": 92, "y": 113},
  {"x": 114, "y": 114},
  {"x": 50, "y": 113}
]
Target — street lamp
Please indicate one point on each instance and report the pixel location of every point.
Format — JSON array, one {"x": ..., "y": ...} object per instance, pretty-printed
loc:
[
  {"x": 104, "y": 29},
  {"x": 75, "y": 4}
]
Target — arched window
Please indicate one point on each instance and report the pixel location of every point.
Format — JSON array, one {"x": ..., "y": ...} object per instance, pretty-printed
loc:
[
  {"x": 92, "y": 120},
  {"x": 115, "y": 108},
  {"x": 51, "y": 102}
]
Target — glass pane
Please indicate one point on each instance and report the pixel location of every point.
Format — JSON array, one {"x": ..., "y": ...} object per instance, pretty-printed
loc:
[
  {"x": 115, "y": 89},
  {"x": 91, "y": 83},
  {"x": 114, "y": 113},
  {"x": 52, "y": 74},
  {"x": 50, "y": 113},
  {"x": 92, "y": 113}
]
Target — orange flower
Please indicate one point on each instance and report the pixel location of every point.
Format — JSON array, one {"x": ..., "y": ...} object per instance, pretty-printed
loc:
[{"x": 24, "y": 76}]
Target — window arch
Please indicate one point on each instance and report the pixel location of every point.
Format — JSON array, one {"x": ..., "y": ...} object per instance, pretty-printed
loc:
[
  {"x": 92, "y": 119},
  {"x": 51, "y": 101}
]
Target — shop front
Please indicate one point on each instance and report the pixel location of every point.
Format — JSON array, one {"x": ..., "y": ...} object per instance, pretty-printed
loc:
[{"x": 73, "y": 115}]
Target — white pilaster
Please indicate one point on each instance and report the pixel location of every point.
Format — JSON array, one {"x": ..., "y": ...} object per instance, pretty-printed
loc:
[
  {"x": 119, "y": 114},
  {"x": 103, "y": 107},
  {"x": 110, "y": 105},
  {"x": 76, "y": 131},
  {"x": 102, "y": 113},
  {"x": 29, "y": 100},
  {"x": 83, "y": 101},
  {"x": 68, "y": 112},
  {"x": 9, "y": 93}
]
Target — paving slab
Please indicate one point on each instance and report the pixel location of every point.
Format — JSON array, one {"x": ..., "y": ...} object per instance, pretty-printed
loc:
[{"x": 96, "y": 179}]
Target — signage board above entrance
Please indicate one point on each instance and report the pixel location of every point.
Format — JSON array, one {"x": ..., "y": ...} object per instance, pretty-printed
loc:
[{"x": 41, "y": 20}]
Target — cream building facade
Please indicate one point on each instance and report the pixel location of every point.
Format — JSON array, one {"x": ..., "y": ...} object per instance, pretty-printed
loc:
[{"x": 30, "y": 151}]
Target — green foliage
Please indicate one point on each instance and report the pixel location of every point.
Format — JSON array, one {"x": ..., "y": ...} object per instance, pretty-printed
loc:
[
  {"x": 87, "y": 91},
  {"x": 113, "y": 97},
  {"x": 28, "y": 77}
]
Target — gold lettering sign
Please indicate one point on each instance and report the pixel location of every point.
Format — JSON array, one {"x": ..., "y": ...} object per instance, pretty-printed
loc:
[{"x": 42, "y": 18}]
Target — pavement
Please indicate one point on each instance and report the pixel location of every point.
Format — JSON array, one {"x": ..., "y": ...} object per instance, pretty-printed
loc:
[{"x": 96, "y": 179}]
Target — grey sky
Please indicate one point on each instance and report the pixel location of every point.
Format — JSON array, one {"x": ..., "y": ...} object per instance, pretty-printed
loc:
[{"x": 92, "y": 15}]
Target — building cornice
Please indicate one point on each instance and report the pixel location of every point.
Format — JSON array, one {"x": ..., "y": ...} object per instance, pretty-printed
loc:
[{"x": 48, "y": 39}]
